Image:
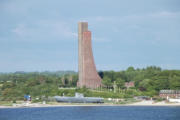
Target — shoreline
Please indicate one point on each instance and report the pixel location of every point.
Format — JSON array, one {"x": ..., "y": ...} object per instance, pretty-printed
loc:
[{"x": 142, "y": 103}]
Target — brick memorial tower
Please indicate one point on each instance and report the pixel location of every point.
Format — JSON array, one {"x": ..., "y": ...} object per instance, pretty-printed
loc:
[{"x": 88, "y": 76}]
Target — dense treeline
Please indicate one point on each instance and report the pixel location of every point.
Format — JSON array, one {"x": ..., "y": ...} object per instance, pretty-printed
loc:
[
  {"x": 148, "y": 81},
  {"x": 16, "y": 85}
]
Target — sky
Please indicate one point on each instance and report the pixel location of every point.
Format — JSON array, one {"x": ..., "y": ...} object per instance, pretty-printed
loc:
[{"x": 40, "y": 35}]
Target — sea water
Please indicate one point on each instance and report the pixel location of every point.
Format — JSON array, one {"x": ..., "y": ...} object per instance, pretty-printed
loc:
[{"x": 92, "y": 113}]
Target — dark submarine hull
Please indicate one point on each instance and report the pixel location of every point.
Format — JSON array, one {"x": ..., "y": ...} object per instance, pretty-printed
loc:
[{"x": 79, "y": 99}]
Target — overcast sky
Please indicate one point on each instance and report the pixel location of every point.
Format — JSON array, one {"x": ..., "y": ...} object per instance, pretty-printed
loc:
[{"x": 39, "y": 35}]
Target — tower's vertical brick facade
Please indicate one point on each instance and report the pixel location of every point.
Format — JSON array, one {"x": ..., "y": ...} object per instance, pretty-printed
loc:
[{"x": 88, "y": 75}]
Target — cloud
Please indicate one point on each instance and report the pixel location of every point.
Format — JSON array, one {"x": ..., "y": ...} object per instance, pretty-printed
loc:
[
  {"x": 41, "y": 29},
  {"x": 56, "y": 29},
  {"x": 154, "y": 27},
  {"x": 20, "y": 30},
  {"x": 15, "y": 7},
  {"x": 62, "y": 29},
  {"x": 131, "y": 17}
]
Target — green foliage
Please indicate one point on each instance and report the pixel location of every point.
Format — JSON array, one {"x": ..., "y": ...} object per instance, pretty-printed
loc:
[
  {"x": 175, "y": 82},
  {"x": 120, "y": 83},
  {"x": 16, "y": 85},
  {"x": 107, "y": 81},
  {"x": 148, "y": 81},
  {"x": 14, "y": 101}
]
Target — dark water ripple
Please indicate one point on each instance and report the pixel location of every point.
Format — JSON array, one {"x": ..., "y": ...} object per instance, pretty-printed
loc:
[{"x": 91, "y": 113}]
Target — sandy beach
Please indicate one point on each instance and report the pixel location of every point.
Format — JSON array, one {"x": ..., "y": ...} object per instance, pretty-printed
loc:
[
  {"x": 141, "y": 103},
  {"x": 152, "y": 103}
]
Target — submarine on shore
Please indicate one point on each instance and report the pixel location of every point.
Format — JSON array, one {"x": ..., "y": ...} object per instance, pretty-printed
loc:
[{"x": 79, "y": 98}]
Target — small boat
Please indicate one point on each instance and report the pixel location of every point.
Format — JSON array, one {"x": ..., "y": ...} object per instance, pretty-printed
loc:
[{"x": 79, "y": 98}]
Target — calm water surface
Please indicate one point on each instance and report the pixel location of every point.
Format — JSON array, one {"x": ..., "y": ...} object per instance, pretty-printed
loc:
[{"x": 91, "y": 113}]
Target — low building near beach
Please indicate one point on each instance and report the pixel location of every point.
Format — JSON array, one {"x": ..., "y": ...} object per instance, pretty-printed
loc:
[
  {"x": 129, "y": 84},
  {"x": 174, "y": 100},
  {"x": 169, "y": 93}
]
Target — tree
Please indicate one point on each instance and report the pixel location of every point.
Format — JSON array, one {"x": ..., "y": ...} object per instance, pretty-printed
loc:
[
  {"x": 175, "y": 82},
  {"x": 143, "y": 85},
  {"x": 120, "y": 83},
  {"x": 130, "y": 69},
  {"x": 107, "y": 81},
  {"x": 161, "y": 82}
]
